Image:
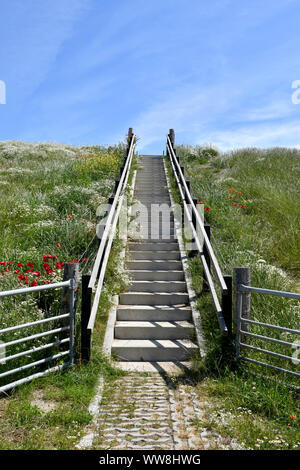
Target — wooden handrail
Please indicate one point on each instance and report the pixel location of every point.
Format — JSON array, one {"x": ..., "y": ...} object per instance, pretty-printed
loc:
[
  {"x": 209, "y": 280},
  {"x": 104, "y": 238},
  {"x": 199, "y": 220},
  {"x": 108, "y": 236}
]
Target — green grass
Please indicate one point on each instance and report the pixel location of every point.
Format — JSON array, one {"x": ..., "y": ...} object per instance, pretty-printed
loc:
[
  {"x": 51, "y": 412},
  {"x": 263, "y": 235}
]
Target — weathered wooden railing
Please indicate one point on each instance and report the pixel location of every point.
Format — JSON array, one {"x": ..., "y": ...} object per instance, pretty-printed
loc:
[
  {"x": 92, "y": 283},
  {"x": 206, "y": 252}
]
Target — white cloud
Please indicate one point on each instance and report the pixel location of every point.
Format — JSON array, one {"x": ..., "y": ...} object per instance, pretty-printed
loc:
[{"x": 268, "y": 135}]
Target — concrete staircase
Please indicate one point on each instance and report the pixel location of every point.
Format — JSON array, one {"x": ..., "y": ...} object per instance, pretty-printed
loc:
[{"x": 154, "y": 318}]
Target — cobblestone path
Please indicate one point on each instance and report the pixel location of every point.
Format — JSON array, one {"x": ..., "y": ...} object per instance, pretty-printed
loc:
[{"x": 147, "y": 412}]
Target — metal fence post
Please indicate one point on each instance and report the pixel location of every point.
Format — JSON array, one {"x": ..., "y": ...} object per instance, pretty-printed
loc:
[
  {"x": 207, "y": 258},
  {"x": 72, "y": 319},
  {"x": 70, "y": 272},
  {"x": 241, "y": 276},
  {"x": 86, "y": 306}
]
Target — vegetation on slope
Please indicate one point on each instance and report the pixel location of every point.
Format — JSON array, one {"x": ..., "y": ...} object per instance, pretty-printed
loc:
[
  {"x": 251, "y": 201},
  {"x": 50, "y": 194}
]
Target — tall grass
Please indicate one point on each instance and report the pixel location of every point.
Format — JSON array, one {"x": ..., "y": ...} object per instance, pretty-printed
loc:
[
  {"x": 253, "y": 207},
  {"x": 50, "y": 194}
]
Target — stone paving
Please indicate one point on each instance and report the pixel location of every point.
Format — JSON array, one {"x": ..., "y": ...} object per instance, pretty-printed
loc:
[{"x": 149, "y": 413}]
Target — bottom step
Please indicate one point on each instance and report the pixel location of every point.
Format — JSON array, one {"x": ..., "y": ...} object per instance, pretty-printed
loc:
[
  {"x": 170, "y": 368},
  {"x": 153, "y": 350}
]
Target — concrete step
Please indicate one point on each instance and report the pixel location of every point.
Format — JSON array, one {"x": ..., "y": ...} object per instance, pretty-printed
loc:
[
  {"x": 153, "y": 350},
  {"x": 155, "y": 240},
  {"x": 152, "y": 198},
  {"x": 158, "y": 286},
  {"x": 153, "y": 275},
  {"x": 153, "y": 298},
  {"x": 153, "y": 330},
  {"x": 156, "y": 246},
  {"x": 154, "y": 255},
  {"x": 154, "y": 313},
  {"x": 175, "y": 368},
  {"x": 172, "y": 265},
  {"x": 154, "y": 223}
]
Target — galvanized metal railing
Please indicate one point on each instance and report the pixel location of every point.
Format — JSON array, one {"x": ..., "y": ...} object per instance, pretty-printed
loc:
[
  {"x": 70, "y": 284},
  {"x": 240, "y": 321},
  {"x": 92, "y": 284},
  {"x": 192, "y": 214}
]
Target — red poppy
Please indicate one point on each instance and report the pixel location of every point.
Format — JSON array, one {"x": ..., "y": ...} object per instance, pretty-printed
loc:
[
  {"x": 58, "y": 244},
  {"x": 2, "y": 263},
  {"x": 36, "y": 273},
  {"x": 84, "y": 260},
  {"x": 59, "y": 265},
  {"x": 28, "y": 271},
  {"x": 46, "y": 267},
  {"x": 230, "y": 197},
  {"x": 17, "y": 271},
  {"x": 21, "y": 276},
  {"x": 242, "y": 206},
  {"x": 200, "y": 202},
  {"x": 20, "y": 265},
  {"x": 292, "y": 416},
  {"x": 33, "y": 284},
  {"x": 31, "y": 265},
  {"x": 207, "y": 209},
  {"x": 70, "y": 216}
]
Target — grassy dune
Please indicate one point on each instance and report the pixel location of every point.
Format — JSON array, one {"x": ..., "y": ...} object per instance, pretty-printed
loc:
[{"x": 251, "y": 201}]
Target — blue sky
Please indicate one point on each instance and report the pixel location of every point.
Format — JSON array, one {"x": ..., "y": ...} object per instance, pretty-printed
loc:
[{"x": 217, "y": 71}]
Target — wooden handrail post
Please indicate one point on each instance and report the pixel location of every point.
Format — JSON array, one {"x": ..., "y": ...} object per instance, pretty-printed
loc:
[
  {"x": 172, "y": 137},
  {"x": 207, "y": 258},
  {"x": 195, "y": 252},
  {"x": 188, "y": 183},
  {"x": 86, "y": 306},
  {"x": 227, "y": 304},
  {"x": 130, "y": 135}
]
